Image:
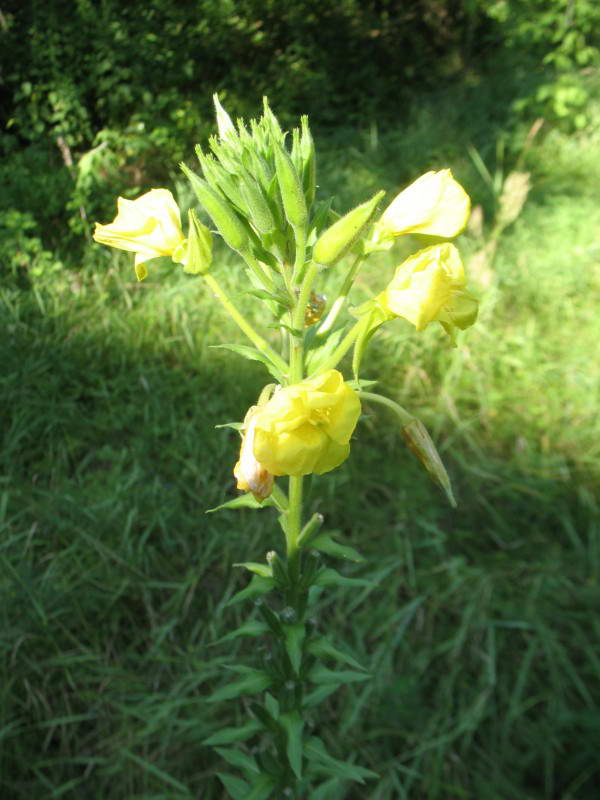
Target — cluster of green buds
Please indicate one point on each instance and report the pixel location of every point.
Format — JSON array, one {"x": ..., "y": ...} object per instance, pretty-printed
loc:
[{"x": 258, "y": 194}]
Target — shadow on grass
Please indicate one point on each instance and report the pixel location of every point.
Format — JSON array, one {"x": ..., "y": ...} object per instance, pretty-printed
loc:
[{"x": 479, "y": 626}]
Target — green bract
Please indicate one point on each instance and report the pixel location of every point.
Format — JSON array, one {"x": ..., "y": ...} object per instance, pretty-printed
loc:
[
  {"x": 335, "y": 242},
  {"x": 228, "y": 223}
]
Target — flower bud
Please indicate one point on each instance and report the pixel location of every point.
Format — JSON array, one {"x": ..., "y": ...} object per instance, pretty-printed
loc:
[
  {"x": 312, "y": 566},
  {"x": 149, "y": 226},
  {"x": 430, "y": 286},
  {"x": 259, "y": 212},
  {"x": 219, "y": 179},
  {"x": 421, "y": 445},
  {"x": 335, "y": 242},
  {"x": 225, "y": 126},
  {"x": 228, "y": 223},
  {"x": 199, "y": 247},
  {"x": 278, "y": 568},
  {"x": 292, "y": 194},
  {"x": 309, "y": 171}
]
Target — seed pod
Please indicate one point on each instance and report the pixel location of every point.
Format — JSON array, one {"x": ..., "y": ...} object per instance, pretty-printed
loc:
[
  {"x": 259, "y": 212},
  {"x": 228, "y": 223},
  {"x": 339, "y": 238},
  {"x": 292, "y": 194},
  {"x": 421, "y": 445}
]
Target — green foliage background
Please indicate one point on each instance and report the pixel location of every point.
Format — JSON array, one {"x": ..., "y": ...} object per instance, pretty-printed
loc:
[{"x": 481, "y": 625}]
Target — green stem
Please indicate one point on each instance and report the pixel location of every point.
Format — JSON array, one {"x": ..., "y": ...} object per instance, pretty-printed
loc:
[
  {"x": 294, "y": 525},
  {"x": 300, "y": 237},
  {"x": 260, "y": 272},
  {"x": 297, "y": 320},
  {"x": 343, "y": 347},
  {"x": 340, "y": 300},
  {"x": 280, "y": 498},
  {"x": 260, "y": 343},
  {"x": 402, "y": 413}
]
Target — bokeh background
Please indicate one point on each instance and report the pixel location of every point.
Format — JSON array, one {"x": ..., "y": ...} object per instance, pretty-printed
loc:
[{"x": 481, "y": 624}]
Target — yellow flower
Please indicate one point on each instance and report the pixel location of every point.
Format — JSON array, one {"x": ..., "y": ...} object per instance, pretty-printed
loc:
[
  {"x": 435, "y": 205},
  {"x": 431, "y": 286},
  {"x": 306, "y": 427},
  {"x": 251, "y": 475},
  {"x": 149, "y": 227}
]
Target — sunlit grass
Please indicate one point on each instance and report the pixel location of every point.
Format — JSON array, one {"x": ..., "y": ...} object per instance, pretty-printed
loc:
[{"x": 481, "y": 623}]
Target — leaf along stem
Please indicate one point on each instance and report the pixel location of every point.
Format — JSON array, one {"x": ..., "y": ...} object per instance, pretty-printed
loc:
[{"x": 244, "y": 325}]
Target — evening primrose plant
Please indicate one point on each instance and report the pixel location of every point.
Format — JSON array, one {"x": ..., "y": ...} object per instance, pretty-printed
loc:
[{"x": 257, "y": 186}]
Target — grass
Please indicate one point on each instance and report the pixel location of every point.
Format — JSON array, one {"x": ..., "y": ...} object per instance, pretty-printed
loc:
[{"x": 480, "y": 624}]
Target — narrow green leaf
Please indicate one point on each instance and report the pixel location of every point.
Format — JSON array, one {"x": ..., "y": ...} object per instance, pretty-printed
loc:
[
  {"x": 239, "y": 669},
  {"x": 279, "y": 298},
  {"x": 324, "y": 649},
  {"x": 362, "y": 384},
  {"x": 320, "y": 351},
  {"x": 294, "y": 637},
  {"x": 243, "y": 501},
  {"x": 259, "y": 569},
  {"x": 297, "y": 333},
  {"x": 315, "y": 751},
  {"x": 257, "y": 587},
  {"x": 262, "y": 788},
  {"x": 372, "y": 320},
  {"x": 264, "y": 716},
  {"x": 270, "y": 617},
  {"x": 237, "y": 758},
  {"x": 237, "y": 426},
  {"x": 232, "y": 735},
  {"x": 158, "y": 773},
  {"x": 252, "y": 627},
  {"x": 326, "y": 790},
  {"x": 252, "y": 354},
  {"x": 326, "y": 544},
  {"x": 272, "y": 705},
  {"x": 320, "y": 674},
  {"x": 253, "y": 683},
  {"x": 237, "y": 788},
  {"x": 293, "y": 725},
  {"x": 322, "y": 692},
  {"x": 331, "y": 577}
]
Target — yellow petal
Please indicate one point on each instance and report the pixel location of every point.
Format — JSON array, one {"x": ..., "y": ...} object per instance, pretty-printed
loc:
[
  {"x": 149, "y": 227},
  {"x": 434, "y": 205},
  {"x": 424, "y": 285},
  {"x": 344, "y": 416},
  {"x": 306, "y": 427},
  {"x": 331, "y": 457}
]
